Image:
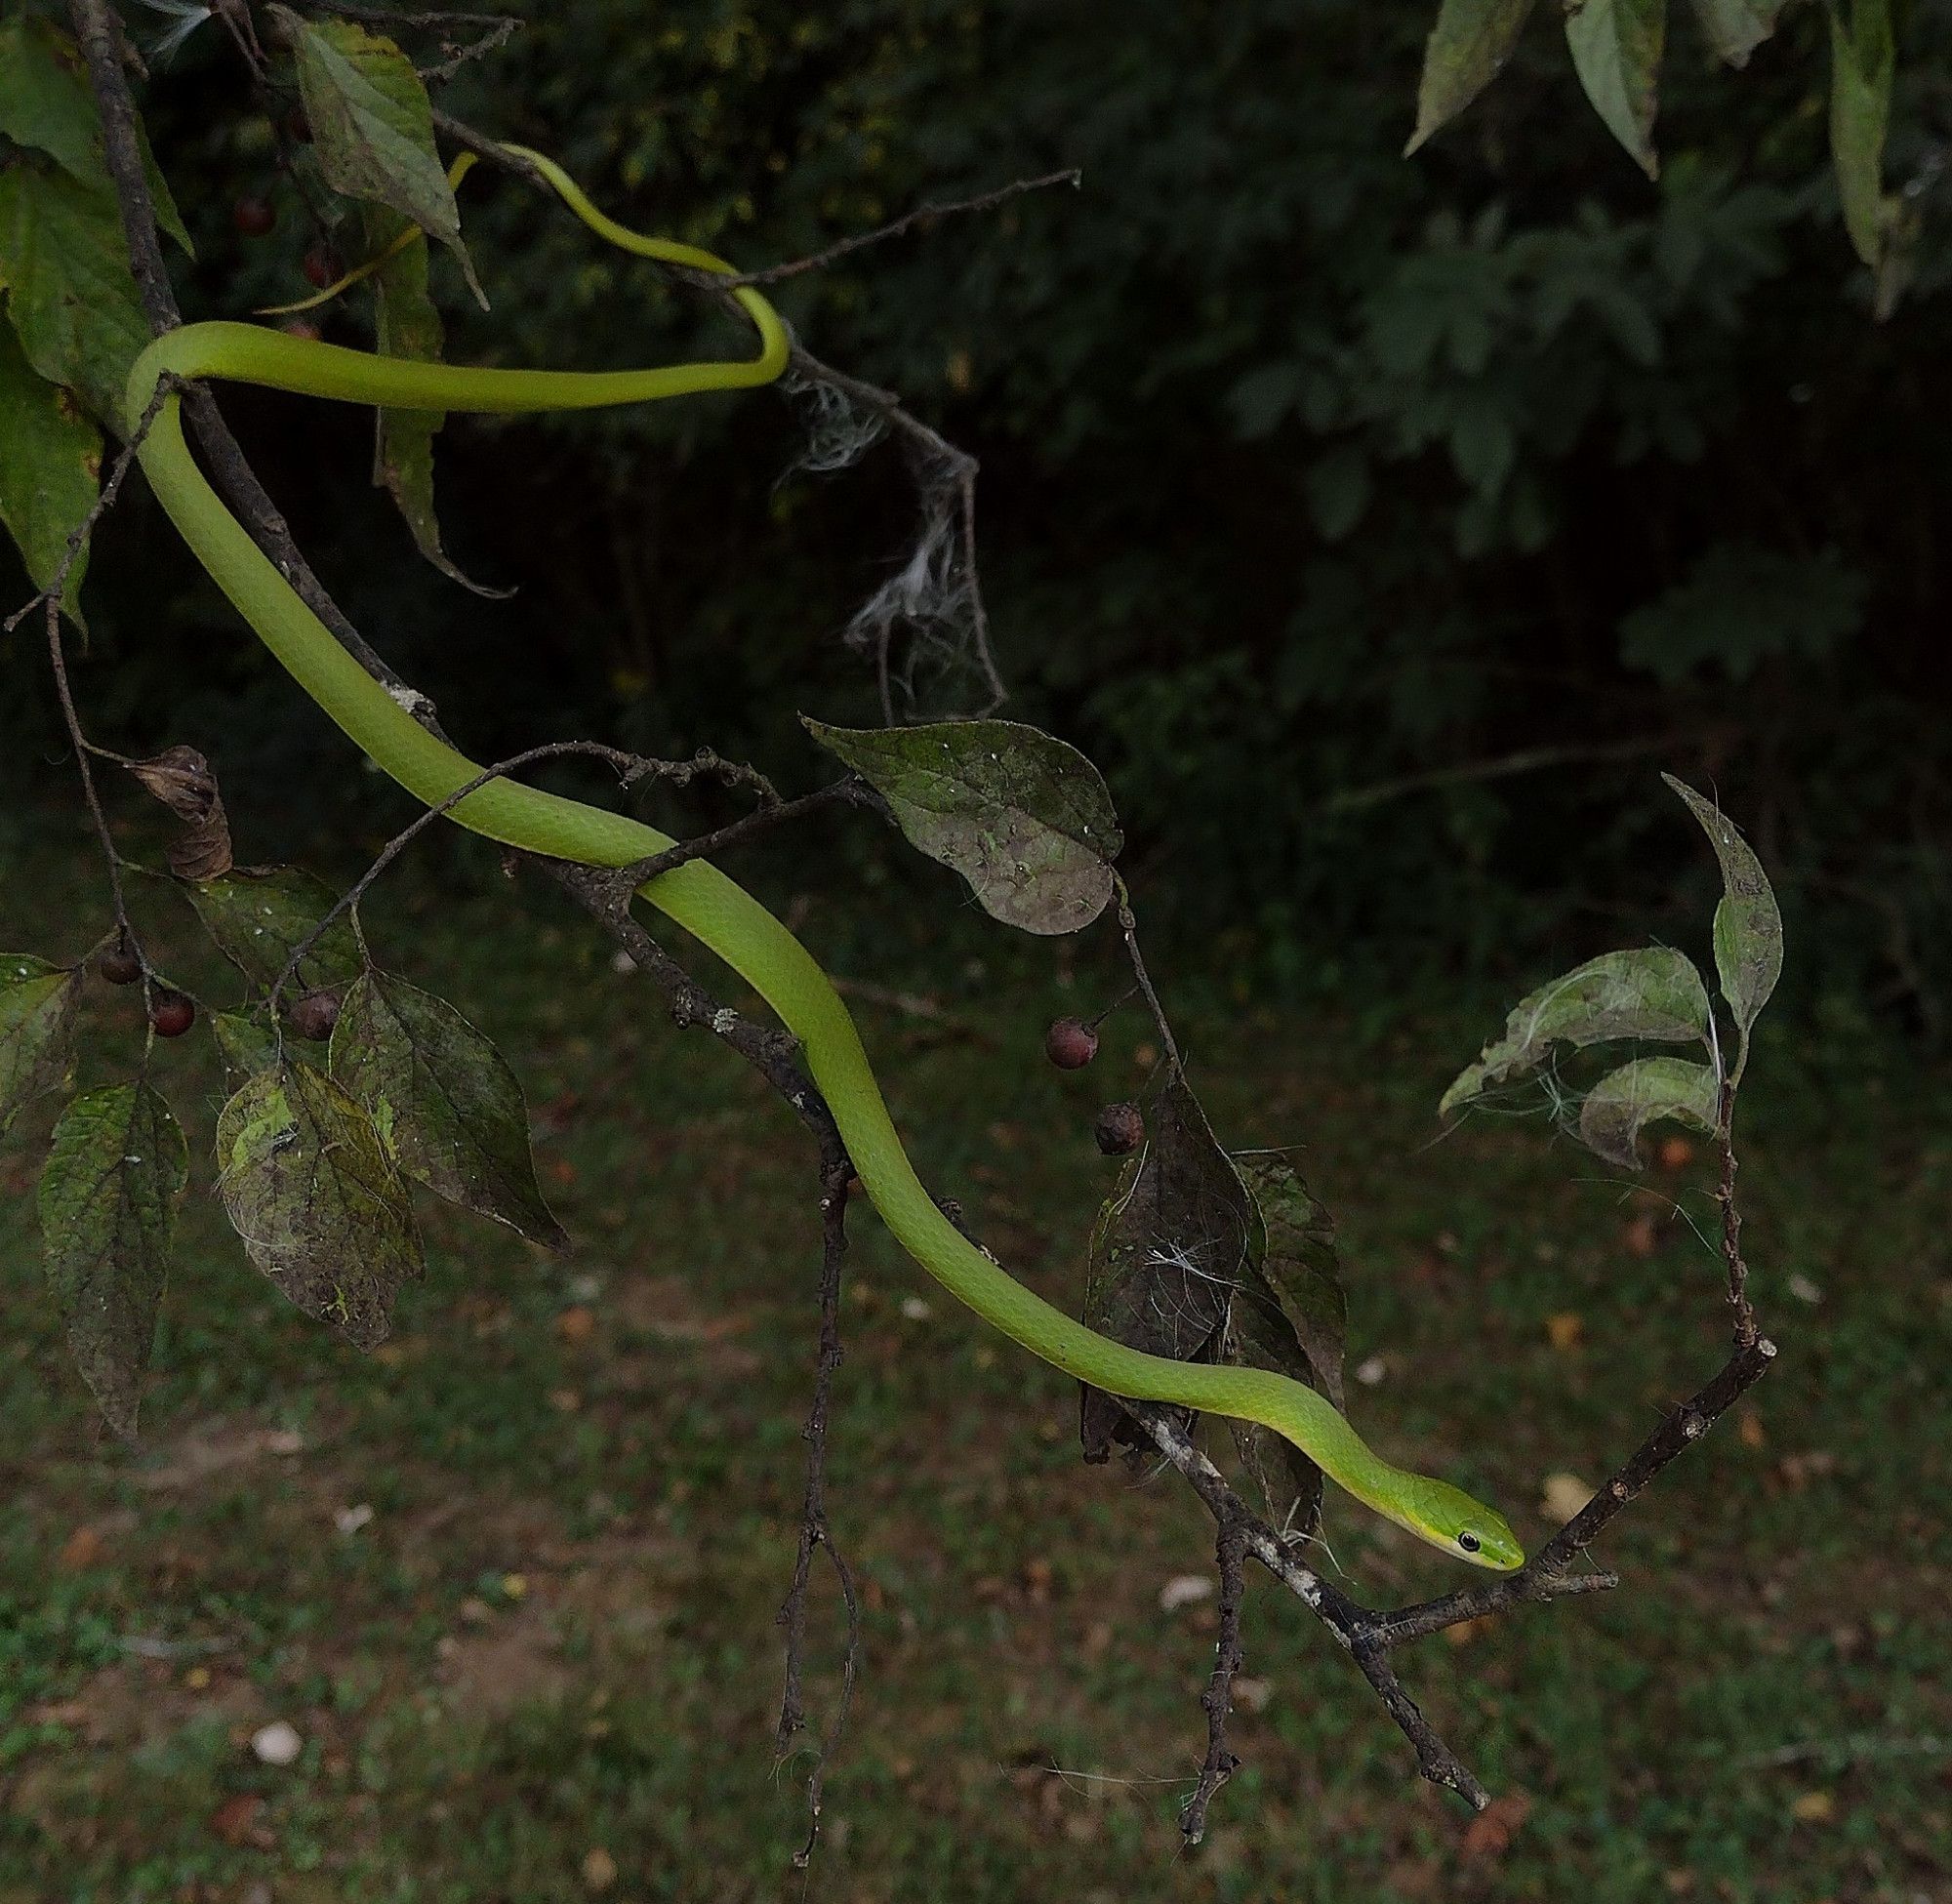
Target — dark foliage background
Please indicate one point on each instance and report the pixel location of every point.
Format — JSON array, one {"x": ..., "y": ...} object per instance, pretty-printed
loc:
[{"x": 1309, "y": 471}]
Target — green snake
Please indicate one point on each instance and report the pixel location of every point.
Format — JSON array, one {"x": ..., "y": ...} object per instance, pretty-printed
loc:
[{"x": 697, "y": 896}]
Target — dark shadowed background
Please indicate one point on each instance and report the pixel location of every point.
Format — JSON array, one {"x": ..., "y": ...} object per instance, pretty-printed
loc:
[{"x": 1321, "y": 487}]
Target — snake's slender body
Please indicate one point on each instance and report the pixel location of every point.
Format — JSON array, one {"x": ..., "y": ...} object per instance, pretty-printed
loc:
[{"x": 697, "y": 896}]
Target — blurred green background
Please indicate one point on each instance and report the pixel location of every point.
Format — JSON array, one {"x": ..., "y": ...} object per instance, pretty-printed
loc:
[{"x": 1380, "y": 527}]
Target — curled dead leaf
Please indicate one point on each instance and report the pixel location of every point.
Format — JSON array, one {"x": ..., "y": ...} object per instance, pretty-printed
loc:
[
  {"x": 181, "y": 778},
  {"x": 1564, "y": 1495},
  {"x": 1490, "y": 1833}
]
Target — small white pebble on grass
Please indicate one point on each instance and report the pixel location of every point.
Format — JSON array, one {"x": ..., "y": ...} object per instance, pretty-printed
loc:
[
  {"x": 1805, "y": 1291},
  {"x": 1372, "y": 1372},
  {"x": 277, "y": 1744},
  {"x": 1184, "y": 1590},
  {"x": 915, "y": 1310},
  {"x": 349, "y": 1520}
]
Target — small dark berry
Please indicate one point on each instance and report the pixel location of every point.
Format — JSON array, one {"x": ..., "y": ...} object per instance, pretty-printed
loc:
[
  {"x": 120, "y": 965},
  {"x": 1120, "y": 1129},
  {"x": 303, "y": 329},
  {"x": 297, "y": 127},
  {"x": 255, "y": 217},
  {"x": 313, "y": 1014},
  {"x": 1070, "y": 1044},
  {"x": 320, "y": 267},
  {"x": 171, "y": 1013}
]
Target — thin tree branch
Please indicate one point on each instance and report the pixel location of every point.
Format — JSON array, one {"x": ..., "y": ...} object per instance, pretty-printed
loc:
[
  {"x": 1527, "y": 761},
  {"x": 1230, "y": 1553},
  {"x": 1128, "y": 926},
  {"x": 835, "y": 1173},
  {"x": 1741, "y": 1311},
  {"x": 927, "y": 213}
]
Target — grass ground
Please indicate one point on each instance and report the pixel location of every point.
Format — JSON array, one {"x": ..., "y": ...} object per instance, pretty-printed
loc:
[{"x": 512, "y": 1580}]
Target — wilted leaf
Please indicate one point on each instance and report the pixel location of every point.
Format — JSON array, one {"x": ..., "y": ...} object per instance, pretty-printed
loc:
[
  {"x": 1288, "y": 1313},
  {"x": 1301, "y": 1266},
  {"x": 315, "y": 1196},
  {"x": 37, "y": 1005},
  {"x": 444, "y": 1100},
  {"x": 1625, "y": 1101},
  {"x": 1466, "y": 51},
  {"x": 50, "y": 468},
  {"x": 1748, "y": 927},
  {"x": 1024, "y": 817},
  {"x": 1616, "y": 47},
  {"x": 1736, "y": 27},
  {"x": 372, "y": 126},
  {"x": 1861, "y": 62},
  {"x": 1170, "y": 1246},
  {"x": 260, "y": 916},
  {"x": 1564, "y": 1495},
  {"x": 181, "y": 778},
  {"x": 108, "y": 1204},
  {"x": 247, "y": 1044},
  {"x": 1651, "y": 992}
]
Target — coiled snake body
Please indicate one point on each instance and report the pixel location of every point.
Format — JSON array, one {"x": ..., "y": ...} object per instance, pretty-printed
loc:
[{"x": 697, "y": 896}]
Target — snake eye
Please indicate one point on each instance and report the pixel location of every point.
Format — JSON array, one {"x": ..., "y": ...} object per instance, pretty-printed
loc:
[{"x": 1469, "y": 1542}]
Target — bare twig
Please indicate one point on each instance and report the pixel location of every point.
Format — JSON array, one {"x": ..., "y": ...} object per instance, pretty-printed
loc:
[
  {"x": 57, "y": 661},
  {"x": 1528, "y": 761},
  {"x": 1129, "y": 925},
  {"x": 922, "y": 214},
  {"x": 632, "y": 768},
  {"x": 849, "y": 790},
  {"x": 1229, "y": 1550},
  {"x": 460, "y": 54},
  {"x": 836, "y": 1172},
  {"x": 1741, "y": 1311}
]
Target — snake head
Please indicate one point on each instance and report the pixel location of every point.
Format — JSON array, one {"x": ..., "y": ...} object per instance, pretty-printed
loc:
[{"x": 1450, "y": 1520}]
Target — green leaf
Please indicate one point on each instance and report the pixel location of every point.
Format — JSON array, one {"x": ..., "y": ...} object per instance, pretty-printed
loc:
[
  {"x": 1288, "y": 1313},
  {"x": 373, "y": 127},
  {"x": 317, "y": 1200},
  {"x": 1616, "y": 47},
  {"x": 1466, "y": 50},
  {"x": 108, "y": 1203},
  {"x": 1301, "y": 1265},
  {"x": 408, "y": 325},
  {"x": 1024, "y": 817},
  {"x": 1736, "y": 27},
  {"x": 1625, "y": 1101},
  {"x": 46, "y": 102},
  {"x": 1651, "y": 992},
  {"x": 1861, "y": 62},
  {"x": 38, "y": 1007},
  {"x": 444, "y": 1100},
  {"x": 257, "y": 919},
  {"x": 73, "y": 303},
  {"x": 248, "y": 1044},
  {"x": 1748, "y": 927},
  {"x": 50, "y": 469},
  {"x": 1171, "y": 1246}
]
